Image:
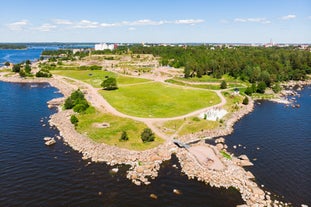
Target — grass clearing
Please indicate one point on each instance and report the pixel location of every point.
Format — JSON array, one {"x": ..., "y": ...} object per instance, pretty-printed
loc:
[
  {"x": 110, "y": 135},
  {"x": 96, "y": 77},
  {"x": 159, "y": 100},
  {"x": 233, "y": 101},
  {"x": 189, "y": 126}
]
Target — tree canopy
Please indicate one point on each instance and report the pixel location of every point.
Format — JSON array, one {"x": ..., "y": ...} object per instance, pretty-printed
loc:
[{"x": 109, "y": 84}]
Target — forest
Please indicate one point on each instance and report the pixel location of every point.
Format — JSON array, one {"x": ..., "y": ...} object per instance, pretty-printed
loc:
[{"x": 251, "y": 64}]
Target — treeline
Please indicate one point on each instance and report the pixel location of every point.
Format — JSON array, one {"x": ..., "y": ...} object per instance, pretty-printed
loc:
[
  {"x": 251, "y": 64},
  {"x": 12, "y": 46}
]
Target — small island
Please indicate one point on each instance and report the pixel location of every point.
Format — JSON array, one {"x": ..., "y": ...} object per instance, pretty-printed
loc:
[
  {"x": 139, "y": 105},
  {"x": 13, "y": 46}
]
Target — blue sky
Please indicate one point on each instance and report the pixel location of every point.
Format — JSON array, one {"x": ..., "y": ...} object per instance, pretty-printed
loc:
[{"x": 162, "y": 21}]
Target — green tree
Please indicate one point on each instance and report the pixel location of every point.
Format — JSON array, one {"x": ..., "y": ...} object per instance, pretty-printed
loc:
[
  {"x": 277, "y": 88},
  {"x": 74, "y": 120},
  {"x": 109, "y": 84},
  {"x": 147, "y": 135},
  {"x": 245, "y": 101},
  {"x": 7, "y": 63},
  {"x": 261, "y": 87},
  {"x": 124, "y": 137},
  {"x": 223, "y": 84},
  {"x": 22, "y": 73},
  {"x": 16, "y": 68},
  {"x": 27, "y": 68}
]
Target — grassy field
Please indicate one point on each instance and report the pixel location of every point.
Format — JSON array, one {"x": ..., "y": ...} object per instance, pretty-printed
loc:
[
  {"x": 111, "y": 134},
  {"x": 232, "y": 101},
  {"x": 204, "y": 85},
  {"x": 159, "y": 100},
  {"x": 96, "y": 77},
  {"x": 189, "y": 125}
]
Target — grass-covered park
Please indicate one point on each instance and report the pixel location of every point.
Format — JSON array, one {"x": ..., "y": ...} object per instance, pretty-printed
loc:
[
  {"x": 159, "y": 100},
  {"x": 96, "y": 77},
  {"x": 90, "y": 121}
]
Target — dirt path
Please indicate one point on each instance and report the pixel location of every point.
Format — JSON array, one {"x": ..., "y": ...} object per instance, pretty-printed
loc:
[{"x": 100, "y": 103}]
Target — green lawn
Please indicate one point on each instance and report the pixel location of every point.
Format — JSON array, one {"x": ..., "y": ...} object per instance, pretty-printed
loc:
[
  {"x": 96, "y": 77},
  {"x": 189, "y": 125},
  {"x": 112, "y": 134},
  {"x": 159, "y": 100}
]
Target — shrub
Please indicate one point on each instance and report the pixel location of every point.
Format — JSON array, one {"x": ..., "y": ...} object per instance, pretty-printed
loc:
[
  {"x": 147, "y": 135},
  {"x": 22, "y": 73},
  {"x": 43, "y": 73},
  {"x": 123, "y": 137},
  {"x": 74, "y": 120},
  {"x": 245, "y": 101},
  {"x": 109, "y": 84},
  {"x": 77, "y": 102},
  {"x": 261, "y": 87},
  {"x": 195, "y": 119},
  {"x": 223, "y": 85}
]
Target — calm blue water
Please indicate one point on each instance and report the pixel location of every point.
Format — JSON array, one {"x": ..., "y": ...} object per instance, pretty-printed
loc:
[
  {"x": 283, "y": 135},
  {"x": 17, "y": 56},
  {"x": 32, "y": 174}
]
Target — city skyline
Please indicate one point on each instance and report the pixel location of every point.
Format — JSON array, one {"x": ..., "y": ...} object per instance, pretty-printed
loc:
[{"x": 283, "y": 21}]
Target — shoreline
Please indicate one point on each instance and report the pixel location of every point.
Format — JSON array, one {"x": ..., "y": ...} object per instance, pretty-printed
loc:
[{"x": 146, "y": 164}]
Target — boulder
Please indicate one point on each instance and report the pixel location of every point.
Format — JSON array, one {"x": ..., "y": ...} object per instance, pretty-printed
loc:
[
  {"x": 153, "y": 196},
  {"x": 50, "y": 142},
  {"x": 243, "y": 157},
  {"x": 219, "y": 146}
]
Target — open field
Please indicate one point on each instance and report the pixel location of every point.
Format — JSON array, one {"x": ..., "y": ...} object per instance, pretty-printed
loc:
[
  {"x": 96, "y": 77},
  {"x": 110, "y": 135},
  {"x": 188, "y": 126},
  {"x": 159, "y": 100}
]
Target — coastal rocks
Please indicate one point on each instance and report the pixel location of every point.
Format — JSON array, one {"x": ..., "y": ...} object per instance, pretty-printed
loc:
[
  {"x": 49, "y": 141},
  {"x": 153, "y": 196},
  {"x": 55, "y": 102}
]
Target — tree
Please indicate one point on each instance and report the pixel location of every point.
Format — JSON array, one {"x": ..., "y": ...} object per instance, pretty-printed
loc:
[
  {"x": 109, "y": 84},
  {"x": 74, "y": 120},
  {"x": 16, "y": 68},
  {"x": 147, "y": 135},
  {"x": 245, "y": 101},
  {"x": 124, "y": 137},
  {"x": 22, "y": 73},
  {"x": 7, "y": 63},
  {"x": 223, "y": 85},
  {"x": 261, "y": 87},
  {"x": 27, "y": 68},
  {"x": 277, "y": 88},
  {"x": 28, "y": 62}
]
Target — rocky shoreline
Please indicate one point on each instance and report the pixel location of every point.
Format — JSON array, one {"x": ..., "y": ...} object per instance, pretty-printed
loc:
[{"x": 144, "y": 165}]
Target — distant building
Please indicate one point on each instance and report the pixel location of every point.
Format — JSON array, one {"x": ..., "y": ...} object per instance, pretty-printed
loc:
[{"x": 104, "y": 46}]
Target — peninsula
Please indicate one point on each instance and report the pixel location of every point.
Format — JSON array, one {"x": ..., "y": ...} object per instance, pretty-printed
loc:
[{"x": 149, "y": 94}]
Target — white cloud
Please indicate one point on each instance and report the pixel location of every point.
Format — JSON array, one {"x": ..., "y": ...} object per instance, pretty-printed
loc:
[
  {"x": 256, "y": 20},
  {"x": 189, "y": 21},
  {"x": 85, "y": 24},
  {"x": 287, "y": 17},
  {"x": 62, "y": 21},
  {"x": 46, "y": 27},
  {"x": 131, "y": 28},
  {"x": 19, "y": 25}
]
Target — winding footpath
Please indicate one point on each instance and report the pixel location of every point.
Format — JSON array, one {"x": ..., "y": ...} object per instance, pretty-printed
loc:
[{"x": 100, "y": 103}]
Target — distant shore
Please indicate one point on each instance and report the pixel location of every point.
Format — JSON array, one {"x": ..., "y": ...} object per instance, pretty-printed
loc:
[{"x": 146, "y": 164}]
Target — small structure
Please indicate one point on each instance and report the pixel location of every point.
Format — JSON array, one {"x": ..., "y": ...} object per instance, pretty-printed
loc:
[{"x": 236, "y": 91}]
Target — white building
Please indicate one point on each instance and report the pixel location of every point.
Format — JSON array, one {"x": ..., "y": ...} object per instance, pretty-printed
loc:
[{"x": 104, "y": 46}]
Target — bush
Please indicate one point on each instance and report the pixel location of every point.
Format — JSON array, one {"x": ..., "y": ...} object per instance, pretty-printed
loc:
[
  {"x": 22, "y": 73},
  {"x": 245, "y": 101},
  {"x": 261, "y": 87},
  {"x": 74, "y": 120},
  {"x": 16, "y": 68},
  {"x": 195, "y": 119},
  {"x": 123, "y": 137},
  {"x": 109, "y": 84},
  {"x": 223, "y": 85},
  {"x": 43, "y": 73},
  {"x": 77, "y": 102},
  {"x": 147, "y": 135}
]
